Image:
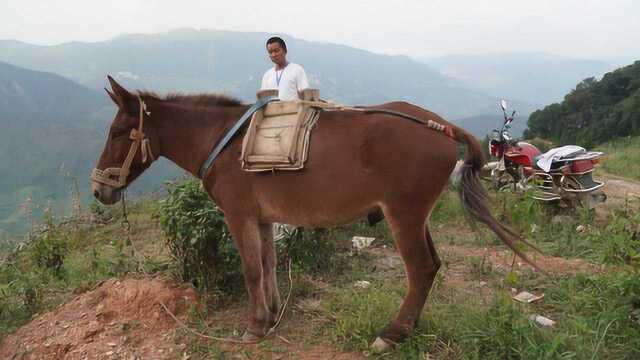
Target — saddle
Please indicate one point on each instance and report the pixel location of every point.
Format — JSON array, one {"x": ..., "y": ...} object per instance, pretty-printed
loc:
[{"x": 279, "y": 134}]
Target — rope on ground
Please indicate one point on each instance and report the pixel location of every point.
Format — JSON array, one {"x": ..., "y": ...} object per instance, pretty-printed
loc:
[
  {"x": 127, "y": 229},
  {"x": 286, "y": 302}
]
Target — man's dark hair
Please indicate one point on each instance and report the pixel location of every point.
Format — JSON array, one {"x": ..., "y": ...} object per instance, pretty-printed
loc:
[{"x": 277, "y": 39}]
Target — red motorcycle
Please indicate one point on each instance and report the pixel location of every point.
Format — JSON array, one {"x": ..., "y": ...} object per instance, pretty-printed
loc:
[{"x": 562, "y": 175}]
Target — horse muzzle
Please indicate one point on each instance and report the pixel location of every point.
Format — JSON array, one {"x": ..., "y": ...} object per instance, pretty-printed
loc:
[{"x": 107, "y": 195}]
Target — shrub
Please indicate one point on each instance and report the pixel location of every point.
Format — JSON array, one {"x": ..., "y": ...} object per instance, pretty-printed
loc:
[
  {"x": 49, "y": 248},
  {"x": 198, "y": 238},
  {"x": 311, "y": 250}
]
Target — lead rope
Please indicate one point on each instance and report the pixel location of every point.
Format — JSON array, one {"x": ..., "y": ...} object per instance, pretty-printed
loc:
[{"x": 126, "y": 226}]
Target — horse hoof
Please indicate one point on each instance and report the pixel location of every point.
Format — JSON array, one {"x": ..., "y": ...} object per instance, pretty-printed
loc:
[
  {"x": 250, "y": 338},
  {"x": 380, "y": 346}
]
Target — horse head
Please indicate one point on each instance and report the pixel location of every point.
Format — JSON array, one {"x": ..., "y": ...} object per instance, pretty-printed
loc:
[{"x": 129, "y": 149}]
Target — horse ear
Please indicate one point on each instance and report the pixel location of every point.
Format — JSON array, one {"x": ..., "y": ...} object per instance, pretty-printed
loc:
[
  {"x": 113, "y": 97},
  {"x": 118, "y": 89},
  {"x": 124, "y": 99}
]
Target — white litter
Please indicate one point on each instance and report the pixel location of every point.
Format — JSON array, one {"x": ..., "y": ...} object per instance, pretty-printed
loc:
[
  {"x": 361, "y": 242},
  {"x": 542, "y": 320},
  {"x": 527, "y": 297},
  {"x": 362, "y": 284}
]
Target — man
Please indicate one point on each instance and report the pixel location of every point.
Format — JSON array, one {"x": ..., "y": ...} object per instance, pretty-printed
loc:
[{"x": 288, "y": 78}]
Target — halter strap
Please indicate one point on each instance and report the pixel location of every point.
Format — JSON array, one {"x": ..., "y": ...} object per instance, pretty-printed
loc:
[{"x": 140, "y": 140}]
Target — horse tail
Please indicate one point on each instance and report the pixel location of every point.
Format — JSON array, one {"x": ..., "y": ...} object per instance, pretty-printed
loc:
[{"x": 474, "y": 197}]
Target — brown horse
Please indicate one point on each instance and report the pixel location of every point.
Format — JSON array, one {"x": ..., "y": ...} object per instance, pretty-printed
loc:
[{"x": 358, "y": 164}]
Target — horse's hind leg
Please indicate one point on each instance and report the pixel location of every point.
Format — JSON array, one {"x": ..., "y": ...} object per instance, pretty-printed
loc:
[
  {"x": 269, "y": 262},
  {"x": 415, "y": 245}
]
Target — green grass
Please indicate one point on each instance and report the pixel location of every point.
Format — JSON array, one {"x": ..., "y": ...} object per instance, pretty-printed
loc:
[
  {"x": 615, "y": 241},
  {"x": 622, "y": 157},
  {"x": 553, "y": 230},
  {"x": 597, "y": 317}
]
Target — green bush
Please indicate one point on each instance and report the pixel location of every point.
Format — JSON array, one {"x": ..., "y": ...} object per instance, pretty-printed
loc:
[
  {"x": 198, "y": 238},
  {"x": 49, "y": 248},
  {"x": 311, "y": 250}
]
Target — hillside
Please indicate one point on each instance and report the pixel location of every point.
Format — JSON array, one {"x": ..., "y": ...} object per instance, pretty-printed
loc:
[
  {"x": 207, "y": 60},
  {"x": 32, "y": 96},
  {"x": 536, "y": 78},
  {"x": 52, "y": 132},
  {"x": 594, "y": 112},
  {"x": 482, "y": 125},
  {"x": 46, "y": 121}
]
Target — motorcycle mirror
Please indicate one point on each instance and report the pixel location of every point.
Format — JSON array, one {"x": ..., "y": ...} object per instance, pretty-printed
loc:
[{"x": 503, "y": 104}]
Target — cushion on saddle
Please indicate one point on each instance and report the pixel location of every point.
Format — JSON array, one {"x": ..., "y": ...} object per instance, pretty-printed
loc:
[{"x": 279, "y": 134}]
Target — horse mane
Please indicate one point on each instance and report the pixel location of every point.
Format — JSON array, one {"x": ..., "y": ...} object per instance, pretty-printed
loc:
[{"x": 204, "y": 99}]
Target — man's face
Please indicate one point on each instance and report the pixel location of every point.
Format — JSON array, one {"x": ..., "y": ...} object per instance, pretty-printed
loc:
[{"x": 276, "y": 53}]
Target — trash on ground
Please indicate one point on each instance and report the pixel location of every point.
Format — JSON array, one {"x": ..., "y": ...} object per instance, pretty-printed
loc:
[
  {"x": 542, "y": 320},
  {"x": 527, "y": 297},
  {"x": 363, "y": 284},
  {"x": 361, "y": 242}
]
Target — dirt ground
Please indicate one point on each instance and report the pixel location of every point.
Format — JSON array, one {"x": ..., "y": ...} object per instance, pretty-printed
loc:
[
  {"x": 620, "y": 190},
  {"x": 124, "y": 319},
  {"x": 120, "y": 319}
]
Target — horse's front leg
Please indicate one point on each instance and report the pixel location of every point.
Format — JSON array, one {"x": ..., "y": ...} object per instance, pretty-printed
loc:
[
  {"x": 269, "y": 263},
  {"x": 246, "y": 234}
]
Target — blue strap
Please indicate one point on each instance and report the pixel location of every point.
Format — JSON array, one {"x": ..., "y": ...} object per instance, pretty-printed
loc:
[{"x": 232, "y": 132}]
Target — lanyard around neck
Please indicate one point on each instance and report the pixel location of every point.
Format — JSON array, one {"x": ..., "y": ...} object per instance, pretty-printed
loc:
[{"x": 279, "y": 77}]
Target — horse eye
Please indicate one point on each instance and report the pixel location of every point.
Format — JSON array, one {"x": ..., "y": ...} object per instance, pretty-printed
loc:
[{"x": 116, "y": 133}]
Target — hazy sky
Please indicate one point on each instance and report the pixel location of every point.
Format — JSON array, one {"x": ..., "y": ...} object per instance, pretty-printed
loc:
[{"x": 607, "y": 30}]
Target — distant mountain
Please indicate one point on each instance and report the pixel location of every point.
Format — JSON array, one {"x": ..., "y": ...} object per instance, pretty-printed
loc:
[
  {"x": 207, "y": 60},
  {"x": 52, "y": 130},
  {"x": 530, "y": 77},
  {"x": 46, "y": 121},
  {"x": 482, "y": 125}
]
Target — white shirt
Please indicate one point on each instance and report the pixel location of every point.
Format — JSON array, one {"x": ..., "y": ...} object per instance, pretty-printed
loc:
[{"x": 288, "y": 81}]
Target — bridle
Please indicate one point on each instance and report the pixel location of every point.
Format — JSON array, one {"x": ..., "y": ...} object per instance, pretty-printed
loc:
[{"x": 107, "y": 175}]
